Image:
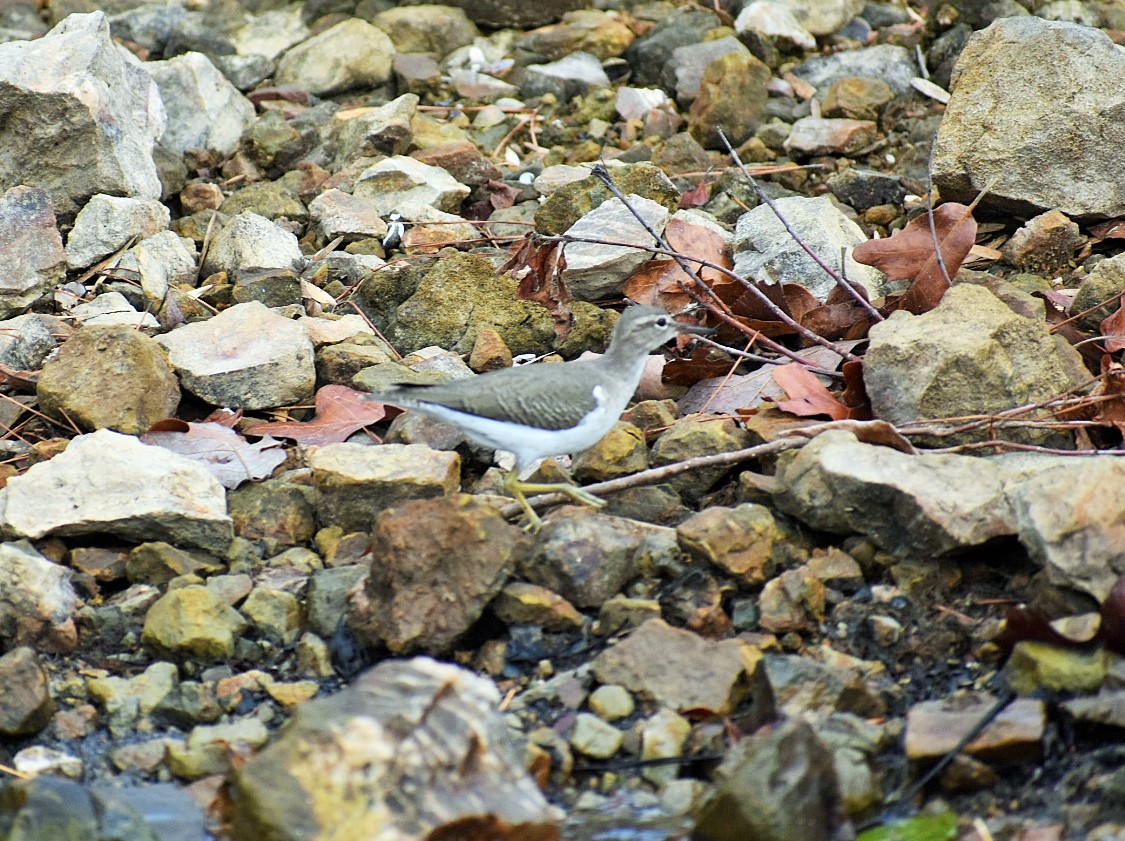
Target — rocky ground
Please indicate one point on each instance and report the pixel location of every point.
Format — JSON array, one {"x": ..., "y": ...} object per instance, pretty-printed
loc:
[{"x": 238, "y": 601}]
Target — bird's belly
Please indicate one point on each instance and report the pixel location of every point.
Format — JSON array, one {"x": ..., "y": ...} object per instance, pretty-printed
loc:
[{"x": 529, "y": 444}]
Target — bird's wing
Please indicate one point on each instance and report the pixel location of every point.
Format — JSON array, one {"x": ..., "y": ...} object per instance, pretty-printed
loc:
[{"x": 521, "y": 394}]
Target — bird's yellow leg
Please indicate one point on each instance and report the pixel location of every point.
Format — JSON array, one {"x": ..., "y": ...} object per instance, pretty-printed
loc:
[
  {"x": 515, "y": 487},
  {"x": 565, "y": 488}
]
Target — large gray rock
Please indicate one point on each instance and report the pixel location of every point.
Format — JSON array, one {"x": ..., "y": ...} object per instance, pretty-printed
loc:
[
  {"x": 1068, "y": 512},
  {"x": 1034, "y": 117},
  {"x": 1071, "y": 518},
  {"x": 406, "y": 725},
  {"x": 971, "y": 355},
  {"x": 245, "y": 357},
  {"x": 927, "y": 504},
  {"x": 893, "y": 64},
  {"x": 205, "y": 111},
  {"x": 31, "y": 248},
  {"x": 595, "y": 271},
  {"x": 109, "y": 483},
  {"x": 251, "y": 241},
  {"x": 80, "y": 116},
  {"x": 351, "y": 54},
  {"x": 765, "y": 250}
]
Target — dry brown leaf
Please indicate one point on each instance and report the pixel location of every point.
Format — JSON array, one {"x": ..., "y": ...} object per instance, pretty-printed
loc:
[
  {"x": 1113, "y": 328},
  {"x": 909, "y": 254},
  {"x": 807, "y": 394},
  {"x": 661, "y": 281},
  {"x": 340, "y": 411}
]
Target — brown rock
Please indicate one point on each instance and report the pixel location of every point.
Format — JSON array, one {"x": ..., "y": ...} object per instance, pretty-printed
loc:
[
  {"x": 520, "y": 603},
  {"x": 341, "y": 766},
  {"x": 436, "y": 564},
  {"x": 621, "y": 451},
  {"x": 25, "y": 701},
  {"x": 779, "y": 785},
  {"x": 489, "y": 352},
  {"x": 588, "y": 557},
  {"x": 109, "y": 377},
  {"x": 793, "y": 601},
  {"x": 933, "y": 728},
  {"x": 463, "y": 161},
  {"x": 682, "y": 671},
  {"x": 1044, "y": 245},
  {"x": 732, "y": 96},
  {"x": 819, "y": 136},
  {"x": 738, "y": 540},
  {"x": 857, "y": 98}
]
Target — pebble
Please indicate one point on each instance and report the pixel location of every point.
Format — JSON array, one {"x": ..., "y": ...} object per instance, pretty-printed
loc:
[
  {"x": 193, "y": 622},
  {"x": 595, "y": 738}
]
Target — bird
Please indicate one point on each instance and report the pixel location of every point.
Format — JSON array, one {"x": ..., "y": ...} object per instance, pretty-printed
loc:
[{"x": 538, "y": 411}]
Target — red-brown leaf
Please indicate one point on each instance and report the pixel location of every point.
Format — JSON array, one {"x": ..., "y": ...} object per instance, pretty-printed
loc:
[
  {"x": 340, "y": 411},
  {"x": 807, "y": 395},
  {"x": 1113, "y": 328},
  {"x": 909, "y": 254},
  {"x": 661, "y": 281}
]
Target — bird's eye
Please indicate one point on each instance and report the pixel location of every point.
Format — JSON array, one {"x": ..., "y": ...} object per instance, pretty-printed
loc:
[{"x": 662, "y": 321}]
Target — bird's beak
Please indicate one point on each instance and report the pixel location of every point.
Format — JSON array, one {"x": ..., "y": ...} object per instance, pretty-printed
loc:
[{"x": 695, "y": 329}]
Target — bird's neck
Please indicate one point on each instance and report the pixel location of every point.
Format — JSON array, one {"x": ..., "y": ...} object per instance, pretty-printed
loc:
[{"x": 626, "y": 363}]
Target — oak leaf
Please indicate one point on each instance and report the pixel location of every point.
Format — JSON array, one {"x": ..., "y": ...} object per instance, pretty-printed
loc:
[
  {"x": 340, "y": 411},
  {"x": 909, "y": 254}
]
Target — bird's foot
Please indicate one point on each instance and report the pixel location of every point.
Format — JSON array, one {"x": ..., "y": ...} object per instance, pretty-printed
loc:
[
  {"x": 519, "y": 489},
  {"x": 565, "y": 488}
]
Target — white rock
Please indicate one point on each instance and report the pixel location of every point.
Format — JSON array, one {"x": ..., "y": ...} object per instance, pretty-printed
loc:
[
  {"x": 162, "y": 260},
  {"x": 775, "y": 20},
  {"x": 764, "y": 250},
  {"x": 271, "y": 33},
  {"x": 108, "y": 222},
  {"x": 112, "y": 308},
  {"x": 399, "y": 179},
  {"x": 245, "y": 357},
  {"x": 37, "y": 600},
  {"x": 579, "y": 68},
  {"x": 205, "y": 111},
  {"x": 109, "y": 483},
  {"x": 823, "y": 17},
  {"x": 329, "y": 331},
  {"x": 251, "y": 241},
  {"x": 595, "y": 271},
  {"x": 635, "y": 103},
  {"x": 340, "y": 214},
  {"x": 559, "y": 175}
]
